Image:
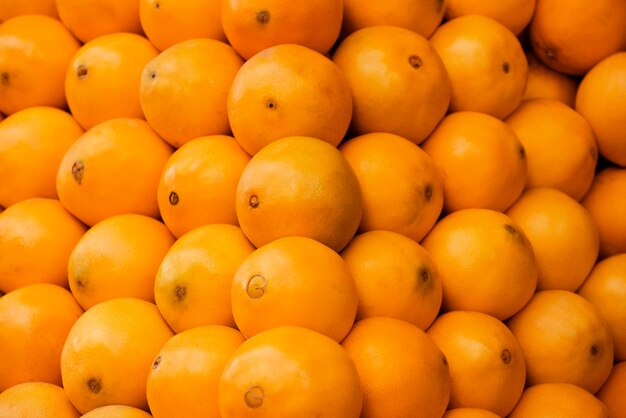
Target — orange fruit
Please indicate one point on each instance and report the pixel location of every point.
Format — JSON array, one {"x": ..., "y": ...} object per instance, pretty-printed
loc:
[
  {"x": 558, "y": 400},
  {"x": 35, "y": 51},
  {"x": 184, "y": 89},
  {"x": 398, "y": 81},
  {"x": 12, "y": 8},
  {"x": 290, "y": 372},
  {"x": 294, "y": 281},
  {"x": 114, "y": 168},
  {"x": 421, "y": 17},
  {"x": 401, "y": 188},
  {"x": 600, "y": 99},
  {"x": 513, "y": 14},
  {"x": 36, "y": 238},
  {"x": 564, "y": 340},
  {"x": 34, "y": 322},
  {"x": 401, "y": 369},
  {"x": 560, "y": 146},
  {"x": 605, "y": 288},
  {"x": 482, "y": 162},
  {"x": 107, "y": 355},
  {"x": 89, "y": 19},
  {"x": 485, "y": 62},
  {"x": 557, "y": 40},
  {"x": 118, "y": 257},
  {"x": 102, "y": 80},
  {"x": 185, "y": 376},
  {"x": 486, "y": 362},
  {"x": 546, "y": 83},
  {"x": 485, "y": 261},
  {"x": 612, "y": 392},
  {"x": 212, "y": 164},
  {"x": 469, "y": 413},
  {"x": 394, "y": 277},
  {"x": 116, "y": 411},
  {"x": 604, "y": 201},
  {"x": 299, "y": 186},
  {"x": 167, "y": 23},
  {"x": 36, "y": 400},
  {"x": 193, "y": 283},
  {"x": 288, "y": 90},
  {"x": 562, "y": 233},
  {"x": 34, "y": 141},
  {"x": 254, "y": 25}
]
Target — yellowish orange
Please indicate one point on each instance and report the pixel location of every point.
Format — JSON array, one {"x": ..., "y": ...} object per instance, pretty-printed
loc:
[
  {"x": 116, "y": 411},
  {"x": 36, "y": 400},
  {"x": 612, "y": 392},
  {"x": 514, "y": 14},
  {"x": 559, "y": 400},
  {"x": 469, "y": 413},
  {"x": 547, "y": 83},
  {"x": 12, "y": 8}
]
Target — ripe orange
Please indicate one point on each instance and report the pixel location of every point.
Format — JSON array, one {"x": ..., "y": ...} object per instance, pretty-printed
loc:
[
  {"x": 107, "y": 355},
  {"x": 485, "y": 62},
  {"x": 184, "y": 89},
  {"x": 547, "y": 83},
  {"x": 514, "y": 14},
  {"x": 485, "y": 261},
  {"x": 401, "y": 369},
  {"x": 34, "y": 141},
  {"x": 102, "y": 80},
  {"x": 564, "y": 340},
  {"x": 114, "y": 168},
  {"x": 394, "y": 277},
  {"x": 469, "y": 413},
  {"x": 36, "y": 238},
  {"x": 34, "y": 322},
  {"x": 398, "y": 81},
  {"x": 401, "y": 188},
  {"x": 299, "y": 186},
  {"x": 290, "y": 372},
  {"x": 35, "y": 51},
  {"x": 482, "y": 162},
  {"x": 212, "y": 164},
  {"x": 288, "y": 90},
  {"x": 294, "y": 281},
  {"x": 558, "y": 400},
  {"x": 193, "y": 284},
  {"x": 116, "y": 411},
  {"x": 486, "y": 363},
  {"x": 185, "y": 376},
  {"x": 11, "y": 8},
  {"x": 36, "y": 400},
  {"x": 612, "y": 392}
]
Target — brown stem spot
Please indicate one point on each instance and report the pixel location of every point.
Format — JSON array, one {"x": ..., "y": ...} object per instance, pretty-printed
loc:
[
  {"x": 506, "y": 356},
  {"x": 506, "y": 67},
  {"x": 254, "y": 201},
  {"x": 256, "y": 286},
  {"x": 254, "y": 396},
  {"x": 263, "y": 17},
  {"x": 5, "y": 78},
  {"x": 444, "y": 360},
  {"x": 80, "y": 284},
  {"x": 511, "y": 229},
  {"x": 152, "y": 75},
  {"x": 81, "y": 71},
  {"x": 157, "y": 5},
  {"x": 415, "y": 61},
  {"x": 428, "y": 192},
  {"x": 156, "y": 362},
  {"x": 94, "y": 385},
  {"x": 594, "y": 350},
  {"x": 522, "y": 151},
  {"x": 271, "y": 104},
  {"x": 173, "y": 198},
  {"x": 180, "y": 292},
  {"x": 78, "y": 171}
]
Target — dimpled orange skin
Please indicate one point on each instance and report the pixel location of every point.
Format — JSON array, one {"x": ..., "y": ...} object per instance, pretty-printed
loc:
[
  {"x": 559, "y": 400},
  {"x": 612, "y": 392},
  {"x": 36, "y": 400},
  {"x": 117, "y": 411},
  {"x": 12, "y": 8}
]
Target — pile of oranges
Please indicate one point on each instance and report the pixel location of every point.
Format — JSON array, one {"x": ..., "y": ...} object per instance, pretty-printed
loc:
[{"x": 328, "y": 208}]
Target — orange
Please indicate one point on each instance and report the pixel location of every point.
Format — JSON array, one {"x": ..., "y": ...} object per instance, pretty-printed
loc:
[
  {"x": 118, "y": 257},
  {"x": 514, "y": 14},
  {"x": 114, "y": 168},
  {"x": 560, "y": 146},
  {"x": 12, "y": 8},
  {"x": 485, "y": 62},
  {"x": 107, "y": 355},
  {"x": 469, "y": 413},
  {"x": 401, "y": 369},
  {"x": 559, "y": 400},
  {"x": 92, "y": 18},
  {"x": 288, "y": 90},
  {"x": 544, "y": 82},
  {"x": 299, "y": 186},
  {"x": 605, "y": 202},
  {"x": 212, "y": 164},
  {"x": 184, "y": 89},
  {"x": 116, "y": 411},
  {"x": 564, "y": 340},
  {"x": 36, "y": 400},
  {"x": 34, "y": 322},
  {"x": 253, "y": 25},
  {"x": 557, "y": 38},
  {"x": 421, "y": 16},
  {"x": 394, "y": 277},
  {"x": 601, "y": 100},
  {"x": 294, "y": 281},
  {"x": 612, "y": 392},
  {"x": 102, "y": 81},
  {"x": 35, "y": 51},
  {"x": 563, "y": 235},
  {"x": 34, "y": 141},
  {"x": 486, "y": 362},
  {"x": 168, "y": 22},
  {"x": 36, "y": 238},
  {"x": 290, "y": 372},
  {"x": 185, "y": 376},
  {"x": 485, "y": 261},
  {"x": 192, "y": 285},
  {"x": 398, "y": 81},
  {"x": 482, "y": 162},
  {"x": 605, "y": 288},
  {"x": 401, "y": 188}
]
